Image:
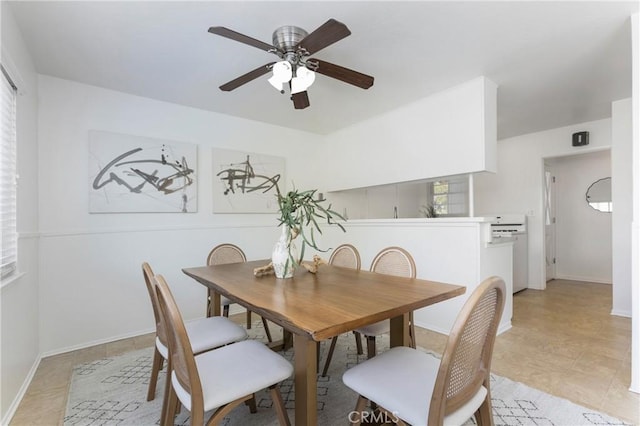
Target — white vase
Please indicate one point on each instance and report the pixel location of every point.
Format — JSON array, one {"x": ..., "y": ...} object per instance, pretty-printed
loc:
[{"x": 284, "y": 256}]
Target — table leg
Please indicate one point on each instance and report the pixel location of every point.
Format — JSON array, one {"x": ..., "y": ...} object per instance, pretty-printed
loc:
[
  {"x": 287, "y": 339},
  {"x": 305, "y": 370},
  {"x": 399, "y": 334},
  {"x": 216, "y": 303}
]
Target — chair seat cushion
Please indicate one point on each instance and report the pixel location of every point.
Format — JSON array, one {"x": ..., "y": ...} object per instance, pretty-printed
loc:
[
  {"x": 164, "y": 351},
  {"x": 401, "y": 380},
  {"x": 208, "y": 333},
  {"x": 464, "y": 413},
  {"x": 375, "y": 329},
  {"x": 234, "y": 371}
]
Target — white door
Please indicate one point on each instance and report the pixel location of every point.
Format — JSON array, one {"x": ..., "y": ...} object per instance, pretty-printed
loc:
[{"x": 549, "y": 223}]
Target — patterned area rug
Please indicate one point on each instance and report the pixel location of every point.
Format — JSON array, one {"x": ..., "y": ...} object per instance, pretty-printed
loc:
[{"x": 112, "y": 391}]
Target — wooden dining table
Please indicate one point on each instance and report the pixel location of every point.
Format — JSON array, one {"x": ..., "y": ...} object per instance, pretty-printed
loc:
[{"x": 315, "y": 307}]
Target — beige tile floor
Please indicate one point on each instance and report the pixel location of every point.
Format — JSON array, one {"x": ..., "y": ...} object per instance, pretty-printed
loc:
[{"x": 563, "y": 342}]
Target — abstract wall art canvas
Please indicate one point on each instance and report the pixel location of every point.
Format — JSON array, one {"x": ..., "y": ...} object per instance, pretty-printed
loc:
[
  {"x": 133, "y": 174},
  {"x": 245, "y": 182}
]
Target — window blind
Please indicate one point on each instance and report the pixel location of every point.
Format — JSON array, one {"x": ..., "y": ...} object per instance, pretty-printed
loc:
[{"x": 8, "y": 177}]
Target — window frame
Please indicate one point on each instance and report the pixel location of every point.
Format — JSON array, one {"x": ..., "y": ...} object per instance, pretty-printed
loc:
[
  {"x": 441, "y": 200},
  {"x": 8, "y": 178}
]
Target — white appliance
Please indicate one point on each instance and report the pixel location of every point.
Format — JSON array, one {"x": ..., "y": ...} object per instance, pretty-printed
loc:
[{"x": 513, "y": 227}]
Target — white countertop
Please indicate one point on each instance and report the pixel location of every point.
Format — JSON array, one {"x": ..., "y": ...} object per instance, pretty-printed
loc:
[{"x": 424, "y": 220}]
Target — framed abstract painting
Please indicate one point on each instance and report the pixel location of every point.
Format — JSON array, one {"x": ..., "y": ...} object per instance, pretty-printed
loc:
[
  {"x": 133, "y": 174},
  {"x": 245, "y": 182}
]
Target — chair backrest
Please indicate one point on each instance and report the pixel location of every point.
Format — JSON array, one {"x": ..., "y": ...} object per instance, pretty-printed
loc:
[
  {"x": 183, "y": 362},
  {"x": 466, "y": 361},
  {"x": 346, "y": 256},
  {"x": 226, "y": 253},
  {"x": 394, "y": 261},
  {"x": 148, "y": 274}
]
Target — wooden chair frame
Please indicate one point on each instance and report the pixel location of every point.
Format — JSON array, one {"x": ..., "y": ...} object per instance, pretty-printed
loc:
[
  {"x": 375, "y": 267},
  {"x": 236, "y": 255},
  {"x": 444, "y": 399},
  {"x": 182, "y": 362},
  {"x": 333, "y": 258},
  {"x": 158, "y": 359},
  {"x": 441, "y": 404}
]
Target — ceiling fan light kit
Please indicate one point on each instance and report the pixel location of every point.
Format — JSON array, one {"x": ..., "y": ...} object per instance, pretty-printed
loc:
[
  {"x": 293, "y": 46},
  {"x": 282, "y": 73},
  {"x": 303, "y": 80}
]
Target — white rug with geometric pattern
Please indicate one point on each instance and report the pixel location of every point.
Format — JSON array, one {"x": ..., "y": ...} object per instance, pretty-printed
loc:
[{"x": 112, "y": 391}]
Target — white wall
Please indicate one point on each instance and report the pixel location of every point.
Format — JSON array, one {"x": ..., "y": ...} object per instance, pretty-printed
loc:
[
  {"x": 635, "y": 227},
  {"x": 425, "y": 137},
  {"x": 19, "y": 353},
  {"x": 438, "y": 247},
  {"x": 622, "y": 191},
  {"x": 517, "y": 187},
  {"x": 583, "y": 234},
  {"x": 90, "y": 265}
]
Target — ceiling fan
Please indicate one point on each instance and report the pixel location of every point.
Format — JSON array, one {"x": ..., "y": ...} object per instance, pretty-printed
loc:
[{"x": 293, "y": 46}]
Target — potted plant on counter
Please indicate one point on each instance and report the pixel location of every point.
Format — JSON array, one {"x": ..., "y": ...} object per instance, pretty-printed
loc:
[{"x": 299, "y": 212}]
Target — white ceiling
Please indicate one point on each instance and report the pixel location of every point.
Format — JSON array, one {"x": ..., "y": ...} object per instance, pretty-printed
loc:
[{"x": 555, "y": 63}]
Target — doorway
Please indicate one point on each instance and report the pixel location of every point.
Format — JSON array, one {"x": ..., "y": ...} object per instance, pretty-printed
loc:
[
  {"x": 578, "y": 237},
  {"x": 549, "y": 222}
]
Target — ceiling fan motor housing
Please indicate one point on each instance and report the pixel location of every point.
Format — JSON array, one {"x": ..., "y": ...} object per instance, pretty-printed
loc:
[{"x": 286, "y": 38}]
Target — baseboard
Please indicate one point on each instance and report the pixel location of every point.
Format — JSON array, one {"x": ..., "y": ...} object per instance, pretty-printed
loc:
[
  {"x": 620, "y": 313},
  {"x": 23, "y": 390},
  {"x": 541, "y": 287},
  {"x": 504, "y": 327},
  {"x": 586, "y": 279},
  {"x": 234, "y": 309},
  {"x": 501, "y": 328},
  {"x": 432, "y": 328},
  {"x": 96, "y": 342}
]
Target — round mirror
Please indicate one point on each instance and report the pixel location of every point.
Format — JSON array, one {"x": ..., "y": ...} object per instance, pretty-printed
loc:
[{"x": 599, "y": 195}]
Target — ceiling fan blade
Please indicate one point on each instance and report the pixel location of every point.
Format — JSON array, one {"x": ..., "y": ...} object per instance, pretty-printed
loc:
[
  {"x": 325, "y": 35},
  {"x": 300, "y": 100},
  {"x": 343, "y": 74},
  {"x": 243, "y": 79},
  {"x": 233, "y": 35}
]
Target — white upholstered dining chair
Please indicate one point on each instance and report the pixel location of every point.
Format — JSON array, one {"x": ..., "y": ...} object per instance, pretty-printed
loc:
[
  {"x": 223, "y": 254},
  {"x": 415, "y": 387},
  {"x": 344, "y": 256},
  {"x": 204, "y": 334},
  {"x": 220, "y": 379},
  {"x": 390, "y": 261}
]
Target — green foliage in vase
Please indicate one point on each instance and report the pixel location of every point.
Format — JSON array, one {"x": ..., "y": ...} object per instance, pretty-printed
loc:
[{"x": 300, "y": 211}]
